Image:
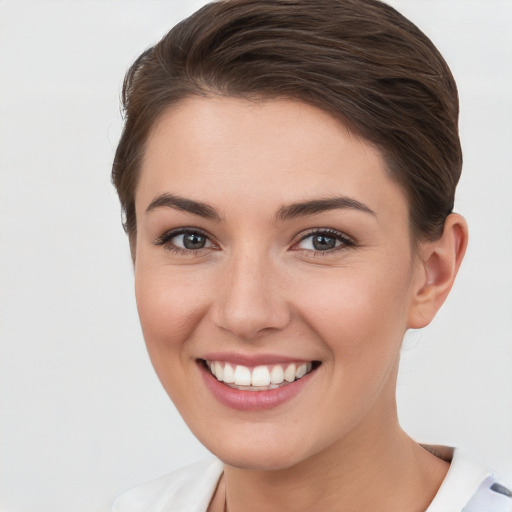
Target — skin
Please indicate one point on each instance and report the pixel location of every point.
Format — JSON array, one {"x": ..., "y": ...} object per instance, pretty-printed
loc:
[{"x": 259, "y": 287}]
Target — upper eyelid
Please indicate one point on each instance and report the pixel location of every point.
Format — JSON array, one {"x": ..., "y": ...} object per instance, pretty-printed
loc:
[
  {"x": 171, "y": 233},
  {"x": 328, "y": 231}
]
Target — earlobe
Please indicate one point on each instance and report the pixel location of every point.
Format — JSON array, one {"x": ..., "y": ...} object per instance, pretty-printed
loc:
[{"x": 440, "y": 262}]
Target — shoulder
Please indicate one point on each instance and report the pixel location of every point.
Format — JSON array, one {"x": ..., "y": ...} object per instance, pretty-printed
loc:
[
  {"x": 189, "y": 489},
  {"x": 470, "y": 487}
]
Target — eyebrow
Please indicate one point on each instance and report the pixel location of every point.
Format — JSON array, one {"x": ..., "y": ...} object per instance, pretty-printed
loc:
[
  {"x": 315, "y": 206},
  {"x": 183, "y": 204},
  {"x": 294, "y": 210}
]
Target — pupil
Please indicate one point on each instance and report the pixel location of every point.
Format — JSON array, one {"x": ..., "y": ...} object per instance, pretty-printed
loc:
[
  {"x": 324, "y": 243},
  {"x": 194, "y": 241}
]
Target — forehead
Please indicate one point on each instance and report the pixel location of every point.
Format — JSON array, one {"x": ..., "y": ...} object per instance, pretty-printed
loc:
[{"x": 276, "y": 150}]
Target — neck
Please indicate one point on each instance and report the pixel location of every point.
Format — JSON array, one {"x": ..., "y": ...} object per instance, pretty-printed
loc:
[{"x": 385, "y": 472}]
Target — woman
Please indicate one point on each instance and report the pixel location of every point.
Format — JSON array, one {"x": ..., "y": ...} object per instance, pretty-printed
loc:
[{"x": 287, "y": 172}]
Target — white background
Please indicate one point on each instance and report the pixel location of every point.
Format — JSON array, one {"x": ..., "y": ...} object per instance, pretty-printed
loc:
[{"x": 82, "y": 415}]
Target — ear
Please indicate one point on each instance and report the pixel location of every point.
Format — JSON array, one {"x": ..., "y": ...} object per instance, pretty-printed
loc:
[{"x": 439, "y": 263}]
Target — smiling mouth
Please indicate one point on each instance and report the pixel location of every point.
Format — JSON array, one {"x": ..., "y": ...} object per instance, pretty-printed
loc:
[{"x": 259, "y": 378}]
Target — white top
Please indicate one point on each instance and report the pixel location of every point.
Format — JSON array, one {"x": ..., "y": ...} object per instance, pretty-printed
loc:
[{"x": 468, "y": 487}]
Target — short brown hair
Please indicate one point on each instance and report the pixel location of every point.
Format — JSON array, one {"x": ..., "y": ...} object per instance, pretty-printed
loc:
[{"x": 359, "y": 60}]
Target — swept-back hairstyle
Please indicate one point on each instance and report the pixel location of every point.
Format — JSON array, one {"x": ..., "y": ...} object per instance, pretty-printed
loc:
[{"x": 358, "y": 60}]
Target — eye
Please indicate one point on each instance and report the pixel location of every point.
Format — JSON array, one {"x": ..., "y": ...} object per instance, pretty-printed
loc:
[
  {"x": 190, "y": 240},
  {"x": 323, "y": 241},
  {"x": 185, "y": 240}
]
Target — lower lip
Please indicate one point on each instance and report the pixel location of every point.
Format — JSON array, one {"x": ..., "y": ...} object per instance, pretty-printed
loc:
[{"x": 252, "y": 400}]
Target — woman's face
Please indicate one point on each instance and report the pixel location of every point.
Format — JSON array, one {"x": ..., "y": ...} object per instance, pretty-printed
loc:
[{"x": 270, "y": 242}]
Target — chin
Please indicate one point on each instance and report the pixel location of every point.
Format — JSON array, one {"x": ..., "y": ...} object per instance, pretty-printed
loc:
[
  {"x": 255, "y": 452},
  {"x": 258, "y": 459}
]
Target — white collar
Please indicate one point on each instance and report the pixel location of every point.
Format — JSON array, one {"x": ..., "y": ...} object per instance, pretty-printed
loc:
[{"x": 461, "y": 482}]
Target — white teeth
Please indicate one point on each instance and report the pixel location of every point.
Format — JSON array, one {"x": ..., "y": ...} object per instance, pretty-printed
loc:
[
  {"x": 277, "y": 374},
  {"x": 301, "y": 370},
  {"x": 242, "y": 376},
  {"x": 289, "y": 373},
  {"x": 260, "y": 376},
  {"x": 229, "y": 374},
  {"x": 218, "y": 371}
]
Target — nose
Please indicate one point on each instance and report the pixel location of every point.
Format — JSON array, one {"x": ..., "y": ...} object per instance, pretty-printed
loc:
[{"x": 250, "y": 301}]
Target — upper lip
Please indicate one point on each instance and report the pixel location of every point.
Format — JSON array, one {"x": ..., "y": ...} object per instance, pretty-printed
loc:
[{"x": 252, "y": 359}]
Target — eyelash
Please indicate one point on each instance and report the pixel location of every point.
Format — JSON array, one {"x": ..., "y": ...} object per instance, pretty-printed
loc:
[
  {"x": 345, "y": 241},
  {"x": 164, "y": 240}
]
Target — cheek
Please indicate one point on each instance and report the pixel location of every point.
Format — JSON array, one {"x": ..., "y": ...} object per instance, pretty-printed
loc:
[
  {"x": 169, "y": 308},
  {"x": 361, "y": 320},
  {"x": 357, "y": 312}
]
